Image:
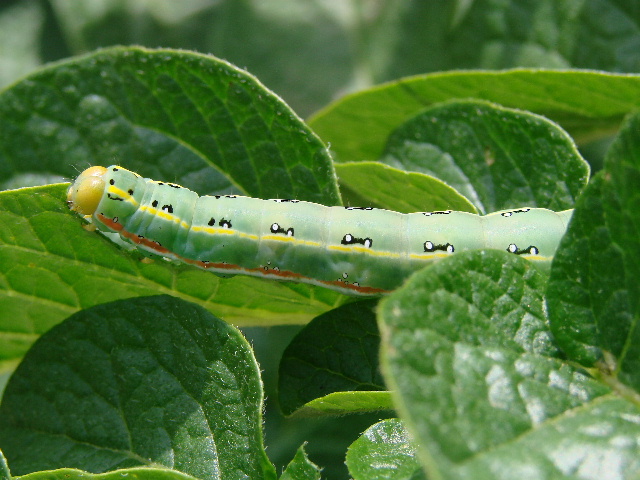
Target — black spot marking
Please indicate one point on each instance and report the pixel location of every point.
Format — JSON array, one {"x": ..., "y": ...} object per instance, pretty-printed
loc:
[
  {"x": 349, "y": 239},
  {"x": 167, "y": 208},
  {"x": 114, "y": 197},
  {"x": 115, "y": 169},
  {"x": 154, "y": 204},
  {"x": 275, "y": 228},
  {"x": 212, "y": 222},
  {"x": 285, "y": 200},
  {"x": 173, "y": 185},
  {"x": 225, "y": 223},
  {"x": 112, "y": 181},
  {"x": 511, "y": 212},
  {"x": 358, "y": 208},
  {"x": 130, "y": 192},
  {"x": 432, "y": 247},
  {"x": 531, "y": 249}
]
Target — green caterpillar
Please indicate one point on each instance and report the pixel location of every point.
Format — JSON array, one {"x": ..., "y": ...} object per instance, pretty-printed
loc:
[{"x": 358, "y": 251}]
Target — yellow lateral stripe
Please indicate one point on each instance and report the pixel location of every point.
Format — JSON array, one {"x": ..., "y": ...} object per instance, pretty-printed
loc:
[
  {"x": 122, "y": 194},
  {"x": 165, "y": 215},
  {"x": 214, "y": 231},
  {"x": 224, "y": 231},
  {"x": 291, "y": 239},
  {"x": 368, "y": 251},
  {"x": 427, "y": 256},
  {"x": 279, "y": 239},
  {"x": 538, "y": 258}
]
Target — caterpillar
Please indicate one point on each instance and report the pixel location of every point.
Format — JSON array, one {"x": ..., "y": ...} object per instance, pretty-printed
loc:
[{"x": 357, "y": 251}]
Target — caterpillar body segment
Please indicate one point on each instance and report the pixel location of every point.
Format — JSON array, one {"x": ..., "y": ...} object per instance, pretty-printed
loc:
[{"x": 358, "y": 251}]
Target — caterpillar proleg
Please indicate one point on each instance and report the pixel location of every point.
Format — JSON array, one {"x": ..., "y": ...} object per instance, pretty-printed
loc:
[{"x": 357, "y": 251}]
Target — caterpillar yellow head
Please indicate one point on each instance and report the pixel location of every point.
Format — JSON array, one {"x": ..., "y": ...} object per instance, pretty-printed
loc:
[{"x": 85, "y": 193}]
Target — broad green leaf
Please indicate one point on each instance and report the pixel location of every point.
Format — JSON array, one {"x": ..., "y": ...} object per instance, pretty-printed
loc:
[
  {"x": 301, "y": 468},
  {"x": 596, "y": 441},
  {"x": 170, "y": 115},
  {"x": 139, "y": 473},
  {"x": 586, "y": 104},
  {"x": 476, "y": 375},
  {"x": 151, "y": 381},
  {"x": 385, "y": 187},
  {"x": 50, "y": 267},
  {"x": 142, "y": 108},
  {"x": 496, "y": 157},
  {"x": 336, "y": 352},
  {"x": 384, "y": 452},
  {"x": 594, "y": 289}
]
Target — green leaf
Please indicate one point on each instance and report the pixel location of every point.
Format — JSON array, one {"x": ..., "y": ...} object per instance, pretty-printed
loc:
[
  {"x": 50, "y": 267},
  {"x": 299, "y": 49},
  {"x": 476, "y": 375},
  {"x": 145, "y": 473},
  {"x": 496, "y": 157},
  {"x": 594, "y": 289},
  {"x": 344, "y": 403},
  {"x": 170, "y": 115},
  {"x": 145, "y": 107},
  {"x": 379, "y": 184},
  {"x": 336, "y": 352},
  {"x": 597, "y": 440},
  {"x": 301, "y": 468},
  {"x": 586, "y": 104},
  {"x": 485, "y": 34},
  {"x": 152, "y": 381},
  {"x": 384, "y": 452},
  {"x": 5, "y": 474}
]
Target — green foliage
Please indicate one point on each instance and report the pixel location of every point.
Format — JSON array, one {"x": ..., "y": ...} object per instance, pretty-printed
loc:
[
  {"x": 584, "y": 103},
  {"x": 4, "y": 468},
  {"x": 376, "y": 184},
  {"x": 150, "y": 381},
  {"x": 385, "y": 451},
  {"x": 301, "y": 468},
  {"x": 593, "y": 298},
  {"x": 334, "y": 355},
  {"x": 136, "y": 473},
  {"x": 499, "y": 158},
  {"x": 495, "y": 369}
]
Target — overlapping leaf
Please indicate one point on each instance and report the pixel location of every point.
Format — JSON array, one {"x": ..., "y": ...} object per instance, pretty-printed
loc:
[
  {"x": 155, "y": 381},
  {"x": 594, "y": 288},
  {"x": 482, "y": 386}
]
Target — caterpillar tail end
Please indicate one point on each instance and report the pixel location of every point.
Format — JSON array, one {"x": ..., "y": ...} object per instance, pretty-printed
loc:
[{"x": 85, "y": 193}]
